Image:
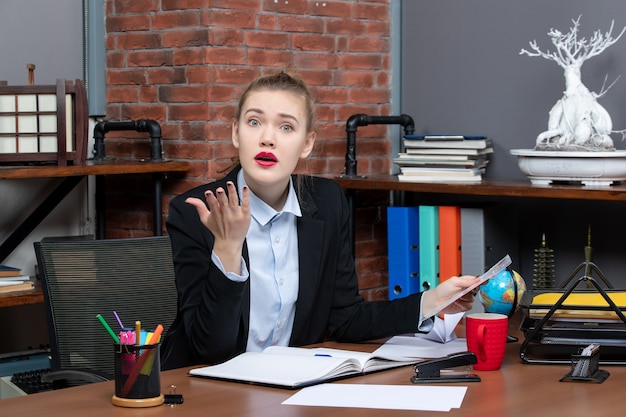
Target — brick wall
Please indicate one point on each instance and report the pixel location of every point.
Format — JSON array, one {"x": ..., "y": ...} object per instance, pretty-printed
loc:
[{"x": 185, "y": 62}]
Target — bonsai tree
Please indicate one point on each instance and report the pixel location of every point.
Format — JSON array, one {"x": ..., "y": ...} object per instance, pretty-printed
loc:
[{"x": 577, "y": 122}]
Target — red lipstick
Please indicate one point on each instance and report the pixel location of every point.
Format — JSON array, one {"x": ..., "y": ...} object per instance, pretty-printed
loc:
[{"x": 265, "y": 159}]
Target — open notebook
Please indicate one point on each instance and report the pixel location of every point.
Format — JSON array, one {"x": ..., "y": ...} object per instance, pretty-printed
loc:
[{"x": 292, "y": 367}]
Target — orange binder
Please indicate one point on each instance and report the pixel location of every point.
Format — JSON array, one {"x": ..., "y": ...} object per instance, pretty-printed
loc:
[{"x": 449, "y": 242}]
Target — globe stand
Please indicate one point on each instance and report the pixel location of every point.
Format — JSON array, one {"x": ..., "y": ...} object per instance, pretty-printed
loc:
[{"x": 509, "y": 338}]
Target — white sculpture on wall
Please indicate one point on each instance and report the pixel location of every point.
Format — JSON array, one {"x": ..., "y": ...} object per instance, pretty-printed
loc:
[{"x": 577, "y": 122}]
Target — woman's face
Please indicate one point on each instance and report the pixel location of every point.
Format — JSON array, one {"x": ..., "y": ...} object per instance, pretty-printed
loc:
[{"x": 271, "y": 136}]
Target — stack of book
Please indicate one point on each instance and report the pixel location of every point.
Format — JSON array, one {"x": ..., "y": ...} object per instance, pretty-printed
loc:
[
  {"x": 12, "y": 280},
  {"x": 443, "y": 158}
]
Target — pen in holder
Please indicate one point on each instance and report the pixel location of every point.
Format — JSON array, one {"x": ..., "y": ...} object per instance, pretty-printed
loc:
[
  {"x": 137, "y": 375},
  {"x": 585, "y": 366}
]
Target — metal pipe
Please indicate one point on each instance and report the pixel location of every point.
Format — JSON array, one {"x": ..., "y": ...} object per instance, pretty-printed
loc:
[
  {"x": 360, "y": 119},
  {"x": 145, "y": 125}
]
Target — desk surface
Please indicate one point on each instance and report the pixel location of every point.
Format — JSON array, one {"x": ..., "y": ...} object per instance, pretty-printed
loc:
[{"x": 517, "y": 389}]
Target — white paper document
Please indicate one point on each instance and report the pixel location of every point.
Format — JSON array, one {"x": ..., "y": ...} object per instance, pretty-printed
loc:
[
  {"x": 443, "y": 329},
  {"x": 393, "y": 397},
  {"x": 411, "y": 346}
]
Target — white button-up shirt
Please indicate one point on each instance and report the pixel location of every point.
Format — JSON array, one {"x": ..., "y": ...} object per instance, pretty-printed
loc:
[{"x": 272, "y": 241}]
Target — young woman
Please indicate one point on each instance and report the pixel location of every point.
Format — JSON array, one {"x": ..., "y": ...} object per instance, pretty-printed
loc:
[{"x": 262, "y": 256}]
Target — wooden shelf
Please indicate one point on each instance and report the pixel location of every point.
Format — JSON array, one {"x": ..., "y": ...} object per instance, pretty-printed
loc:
[
  {"x": 499, "y": 188},
  {"x": 34, "y": 296},
  {"x": 104, "y": 167}
]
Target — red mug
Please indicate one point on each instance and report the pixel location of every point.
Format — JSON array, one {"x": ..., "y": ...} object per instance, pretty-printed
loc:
[{"x": 486, "y": 335}]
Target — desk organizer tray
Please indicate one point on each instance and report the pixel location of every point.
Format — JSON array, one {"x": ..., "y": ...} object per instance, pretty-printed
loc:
[{"x": 558, "y": 322}]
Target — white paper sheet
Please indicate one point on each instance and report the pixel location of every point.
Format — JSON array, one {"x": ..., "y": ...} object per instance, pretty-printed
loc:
[
  {"x": 407, "y": 347},
  {"x": 443, "y": 329},
  {"x": 393, "y": 397}
]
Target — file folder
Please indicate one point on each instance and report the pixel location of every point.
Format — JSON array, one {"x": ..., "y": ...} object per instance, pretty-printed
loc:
[
  {"x": 403, "y": 251},
  {"x": 428, "y": 243},
  {"x": 449, "y": 242}
]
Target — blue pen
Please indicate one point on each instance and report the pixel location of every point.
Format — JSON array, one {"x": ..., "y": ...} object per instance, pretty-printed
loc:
[{"x": 323, "y": 354}]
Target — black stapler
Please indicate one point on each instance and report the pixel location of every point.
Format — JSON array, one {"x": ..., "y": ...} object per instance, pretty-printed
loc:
[{"x": 430, "y": 371}]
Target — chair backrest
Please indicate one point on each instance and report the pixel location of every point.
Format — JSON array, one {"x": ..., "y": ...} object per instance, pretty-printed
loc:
[{"x": 83, "y": 278}]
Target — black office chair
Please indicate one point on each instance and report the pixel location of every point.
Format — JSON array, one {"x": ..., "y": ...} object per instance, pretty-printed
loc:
[{"x": 83, "y": 278}]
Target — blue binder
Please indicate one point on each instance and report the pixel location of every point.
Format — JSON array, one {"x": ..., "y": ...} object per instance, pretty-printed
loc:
[
  {"x": 428, "y": 243},
  {"x": 403, "y": 251}
]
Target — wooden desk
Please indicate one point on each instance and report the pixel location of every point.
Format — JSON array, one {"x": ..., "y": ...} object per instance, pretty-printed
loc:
[
  {"x": 72, "y": 175},
  {"x": 516, "y": 390}
]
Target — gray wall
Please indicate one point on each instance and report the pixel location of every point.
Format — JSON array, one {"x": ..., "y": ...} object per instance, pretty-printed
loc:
[
  {"x": 48, "y": 34},
  {"x": 462, "y": 71}
]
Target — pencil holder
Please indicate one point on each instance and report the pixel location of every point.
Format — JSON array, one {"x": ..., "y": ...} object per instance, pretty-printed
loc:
[
  {"x": 585, "y": 368},
  {"x": 137, "y": 376}
]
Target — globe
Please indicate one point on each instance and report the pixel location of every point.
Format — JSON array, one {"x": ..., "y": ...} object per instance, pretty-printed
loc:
[{"x": 497, "y": 295}]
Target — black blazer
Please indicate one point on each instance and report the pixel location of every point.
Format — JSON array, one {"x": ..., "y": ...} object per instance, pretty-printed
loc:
[{"x": 213, "y": 312}]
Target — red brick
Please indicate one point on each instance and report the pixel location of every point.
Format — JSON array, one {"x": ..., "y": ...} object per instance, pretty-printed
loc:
[
  {"x": 291, "y": 23},
  {"x": 127, "y": 23},
  {"x": 157, "y": 58},
  {"x": 371, "y": 11},
  {"x": 313, "y": 42},
  {"x": 137, "y": 112},
  {"x": 148, "y": 94},
  {"x": 225, "y": 56},
  {"x": 373, "y": 95},
  {"x": 361, "y": 61},
  {"x": 188, "y": 112},
  {"x": 316, "y": 60},
  {"x": 139, "y": 6},
  {"x": 368, "y": 44},
  {"x": 270, "y": 58},
  {"x": 122, "y": 94},
  {"x": 267, "y": 22},
  {"x": 200, "y": 74},
  {"x": 183, "y": 4},
  {"x": 295, "y": 7},
  {"x": 188, "y": 56},
  {"x": 138, "y": 40},
  {"x": 253, "y": 5},
  {"x": 116, "y": 60},
  {"x": 174, "y": 20},
  {"x": 185, "y": 38},
  {"x": 166, "y": 76},
  {"x": 183, "y": 93},
  {"x": 335, "y": 8},
  {"x": 235, "y": 75},
  {"x": 345, "y": 27},
  {"x": 226, "y": 37},
  {"x": 267, "y": 40},
  {"x": 126, "y": 77},
  {"x": 230, "y": 19}
]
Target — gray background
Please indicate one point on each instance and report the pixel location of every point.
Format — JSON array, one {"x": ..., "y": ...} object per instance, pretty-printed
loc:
[{"x": 462, "y": 71}]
